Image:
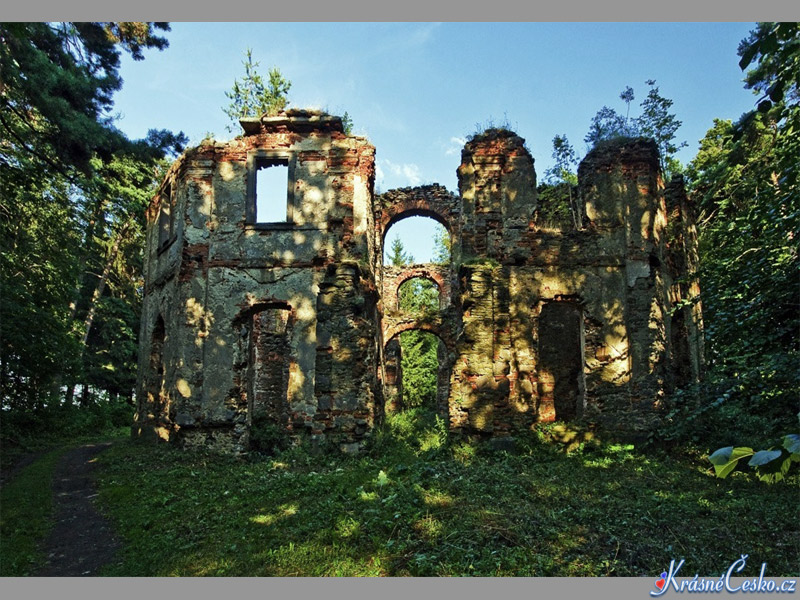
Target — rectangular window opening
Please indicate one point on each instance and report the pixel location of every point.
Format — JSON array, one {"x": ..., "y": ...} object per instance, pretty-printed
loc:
[{"x": 272, "y": 191}]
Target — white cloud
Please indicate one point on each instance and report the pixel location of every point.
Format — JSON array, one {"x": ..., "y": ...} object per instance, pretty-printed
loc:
[
  {"x": 423, "y": 34},
  {"x": 458, "y": 144},
  {"x": 408, "y": 172},
  {"x": 406, "y": 37}
]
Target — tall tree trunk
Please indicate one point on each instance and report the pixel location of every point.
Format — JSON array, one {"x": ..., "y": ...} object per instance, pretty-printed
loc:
[
  {"x": 96, "y": 216},
  {"x": 88, "y": 321},
  {"x": 101, "y": 286}
]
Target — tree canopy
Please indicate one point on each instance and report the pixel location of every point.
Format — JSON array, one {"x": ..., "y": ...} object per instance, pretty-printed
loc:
[
  {"x": 655, "y": 121},
  {"x": 73, "y": 189},
  {"x": 57, "y": 82},
  {"x": 744, "y": 182}
]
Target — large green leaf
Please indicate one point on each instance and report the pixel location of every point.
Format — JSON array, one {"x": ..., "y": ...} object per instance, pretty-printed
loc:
[
  {"x": 775, "y": 470},
  {"x": 763, "y": 457},
  {"x": 792, "y": 443},
  {"x": 726, "y": 459},
  {"x": 721, "y": 456}
]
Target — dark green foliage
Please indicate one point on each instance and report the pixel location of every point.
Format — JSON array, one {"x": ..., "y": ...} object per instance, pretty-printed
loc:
[
  {"x": 347, "y": 123},
  {"x": 23, "y": 430},
  {"x": 554, "y": 205},
  {"x": 113, "y": 346},
  {"x": 744, "y": 181},
  {"x": 420, "y": 366},
  {"x": 442, "y": 246},
  {"x": 266, "y": 436},
  {"x": 658, "y": 123},
  {"x": 558, "y": 196},
  {"x": 607, "y": 124},
  {"x": 566, "y": 161},
  {"x": 655, "y": 121},
  {"x": 39, "y": 239},
  {"x": 420, "y": 361},
  {"x": 776, "y": 74},
  {"x": 627, "y": 97},
  {"x": 73, "y": 190},
  {"x": 398, "y": 256},
  {"x": 419, "y": 296},
  {"x": 57, "y": 81}
]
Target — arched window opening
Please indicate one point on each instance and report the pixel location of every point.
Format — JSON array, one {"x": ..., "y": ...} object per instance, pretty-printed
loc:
[
  {"x": 419, "y": 296},
  {"x": 416, "y": 240},
  {"x": 154, "y": 387}
]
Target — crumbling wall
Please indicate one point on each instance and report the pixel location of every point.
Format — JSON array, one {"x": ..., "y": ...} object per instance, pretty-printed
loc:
[
  {"x": 250, "y": 308},
  {"x": 260, "y": 334},
  {"x": 685, "y": 314},
  {"x": 514, "y": 367}
]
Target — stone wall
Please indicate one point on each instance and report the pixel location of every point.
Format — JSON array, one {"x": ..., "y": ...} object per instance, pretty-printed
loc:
[
  {"x": 263, "y": 318},
  {"x": 271, "y": 333}
]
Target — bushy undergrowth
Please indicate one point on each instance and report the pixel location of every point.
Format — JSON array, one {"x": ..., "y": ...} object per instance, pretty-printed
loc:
[
  {"x": 755, "y": 405},
  {"x": 24, "y": 431},
  {"x": 419, "y": 503}
]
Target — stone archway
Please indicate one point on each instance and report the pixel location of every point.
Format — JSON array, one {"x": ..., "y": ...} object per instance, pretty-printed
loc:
[
  {"x": 433, "y": 201},
  {"x": 395, "y": 277},
  {"x": 437, "y": 203}
]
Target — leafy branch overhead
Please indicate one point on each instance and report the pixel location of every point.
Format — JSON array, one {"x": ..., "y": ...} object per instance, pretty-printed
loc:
[
  {"x": 776, "y": 76},
  {"x": 73, "y": 193},
  {"x": 744, "y": 183},
  {"x": 57, "y": 82},
  {"x": 252, "y": 96}
]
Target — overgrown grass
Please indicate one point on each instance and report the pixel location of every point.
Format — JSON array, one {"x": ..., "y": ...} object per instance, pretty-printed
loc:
[
  {"x": 414, "y": 505},
  {"x": 26, "y": 504}
]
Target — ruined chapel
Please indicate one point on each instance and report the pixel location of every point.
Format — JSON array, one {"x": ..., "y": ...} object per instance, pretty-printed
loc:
[{"x": 290, "y": 323}]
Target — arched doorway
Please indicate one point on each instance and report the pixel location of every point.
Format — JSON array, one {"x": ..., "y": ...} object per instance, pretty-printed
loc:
[
  {"x": 417, "y": 372},
  {"x": 155, "y": 408}
]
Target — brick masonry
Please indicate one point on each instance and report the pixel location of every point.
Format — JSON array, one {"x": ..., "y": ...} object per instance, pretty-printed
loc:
[{"x": 288, "y": 331}]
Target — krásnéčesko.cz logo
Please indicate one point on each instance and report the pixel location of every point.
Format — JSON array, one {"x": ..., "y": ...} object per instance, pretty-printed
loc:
[{"x": 700, "y": 584}]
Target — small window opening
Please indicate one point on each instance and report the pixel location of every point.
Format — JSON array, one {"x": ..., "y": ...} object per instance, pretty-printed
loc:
[
  {"x": 272, "y": 191},
  {"x": 165, "y": 217}
]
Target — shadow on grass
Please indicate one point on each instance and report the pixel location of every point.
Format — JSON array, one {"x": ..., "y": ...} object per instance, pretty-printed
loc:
[{"x": 415, "y": 504}]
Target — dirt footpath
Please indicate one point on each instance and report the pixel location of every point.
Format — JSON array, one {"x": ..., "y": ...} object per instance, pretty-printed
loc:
[{"x": 82, "y": 540}]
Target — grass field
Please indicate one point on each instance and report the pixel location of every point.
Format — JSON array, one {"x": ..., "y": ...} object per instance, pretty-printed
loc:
[
  {"x": 416, "y": 505},
  {"x": 25, "y": 511}
]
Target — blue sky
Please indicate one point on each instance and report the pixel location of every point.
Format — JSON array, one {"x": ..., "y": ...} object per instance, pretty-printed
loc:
[{"x": 416, "y": 90}]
